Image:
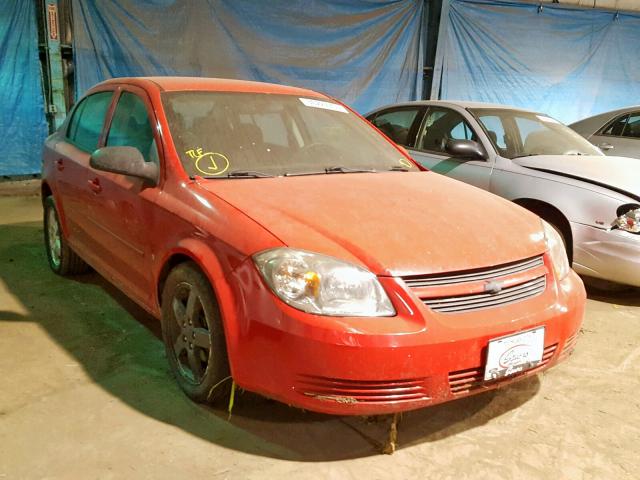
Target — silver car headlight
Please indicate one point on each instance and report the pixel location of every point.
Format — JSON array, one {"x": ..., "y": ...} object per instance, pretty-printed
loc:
[
  {"x": 557, "y": 251},
  {"x": 323, "y": 285},
  {"x": 629, "y": 221}
]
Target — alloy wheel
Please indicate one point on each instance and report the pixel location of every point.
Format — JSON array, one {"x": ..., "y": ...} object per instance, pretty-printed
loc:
[
  {"x": 54, "y": 239},
  {"x": 190, "y": 333}
]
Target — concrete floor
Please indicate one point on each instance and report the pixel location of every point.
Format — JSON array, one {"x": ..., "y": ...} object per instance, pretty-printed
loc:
[{"x": 85, "y": 392}]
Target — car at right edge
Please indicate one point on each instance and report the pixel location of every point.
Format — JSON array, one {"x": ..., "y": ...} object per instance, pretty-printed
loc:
[
  {"x": 616, "y": 132},
  {"x": 592, "y": 200}
]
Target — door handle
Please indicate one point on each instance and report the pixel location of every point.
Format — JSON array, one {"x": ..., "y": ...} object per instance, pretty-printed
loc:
[
  {"x": 606, "y": 146},
  {"x": 59, "y": 164},
  {"x": 95, "y": 185}
]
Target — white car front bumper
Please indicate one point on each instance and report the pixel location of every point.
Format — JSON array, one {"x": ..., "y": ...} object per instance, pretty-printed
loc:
[{"x": 612, "y": 255}]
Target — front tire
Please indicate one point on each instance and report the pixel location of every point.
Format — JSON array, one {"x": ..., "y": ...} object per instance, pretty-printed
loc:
[
  {"x": 62, "y": 259},
  {"x": 194, "y": 336}
]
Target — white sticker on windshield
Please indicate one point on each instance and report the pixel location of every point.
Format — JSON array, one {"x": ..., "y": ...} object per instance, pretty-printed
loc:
[
  {"x": 325, "y": 105},
  {"x": 547, "y": 119}
]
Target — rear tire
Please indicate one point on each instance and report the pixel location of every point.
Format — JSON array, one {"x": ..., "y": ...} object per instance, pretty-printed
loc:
[
  {"x": 193, "y": 335},
  {"x": 62, "y": 259}
]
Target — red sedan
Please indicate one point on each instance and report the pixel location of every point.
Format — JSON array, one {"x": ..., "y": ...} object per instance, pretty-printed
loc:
[{"x": 288, "y": 245}]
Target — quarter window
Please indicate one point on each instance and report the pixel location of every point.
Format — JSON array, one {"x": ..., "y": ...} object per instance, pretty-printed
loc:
[
  {"x": 88, "y": 120},
  {"x": 131, "y": 127},
  {"x": 440, "y": 125},
  {"x": 396, "y": 124}
]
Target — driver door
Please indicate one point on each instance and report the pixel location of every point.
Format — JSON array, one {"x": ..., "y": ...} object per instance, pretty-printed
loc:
[
  {"x": 123, "y": 208},
  {"x": 439, "y": 125}
]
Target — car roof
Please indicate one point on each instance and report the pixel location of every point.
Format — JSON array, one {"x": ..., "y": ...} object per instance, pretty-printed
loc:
[
  {"x": 169, "y": 84},
  {"x": 458, "y": 103},
  {"x": 608, "y": 114}
]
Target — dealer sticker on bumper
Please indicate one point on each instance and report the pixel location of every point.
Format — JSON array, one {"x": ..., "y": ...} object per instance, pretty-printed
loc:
[{"x": 515, "y": 353}]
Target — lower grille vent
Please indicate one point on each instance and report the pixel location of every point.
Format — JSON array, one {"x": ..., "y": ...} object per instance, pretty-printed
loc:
[
  {"x": 362, "y": 391},
  {"x": 469, "y": 380}
]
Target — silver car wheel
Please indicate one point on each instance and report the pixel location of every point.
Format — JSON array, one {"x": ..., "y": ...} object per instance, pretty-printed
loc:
[{"x": 55, "y": 242}]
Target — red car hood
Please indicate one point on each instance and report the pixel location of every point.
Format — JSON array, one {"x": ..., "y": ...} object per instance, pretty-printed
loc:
[{"x": 395, "y": 223}]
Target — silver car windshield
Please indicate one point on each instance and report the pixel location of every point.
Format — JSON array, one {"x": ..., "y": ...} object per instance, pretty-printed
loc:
[
  {"x": 246, "y": 135},
  {"x": 515, "y": 133}
]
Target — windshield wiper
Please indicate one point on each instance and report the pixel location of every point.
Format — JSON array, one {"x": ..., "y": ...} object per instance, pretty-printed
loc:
[
  {"x": 235, "y": 174},
  {"x": 248, "y": 174},
  {"x": 302, "y": 174},
  {"x": 398, "y": 168},
  {"x": 339, "y": 169},
  {"x": 331, "y": 170}
]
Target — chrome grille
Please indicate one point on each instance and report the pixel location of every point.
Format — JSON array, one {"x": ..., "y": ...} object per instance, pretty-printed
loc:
[
  {"x": 467, "y": 303},
  {"x": 474, "y": 275}
]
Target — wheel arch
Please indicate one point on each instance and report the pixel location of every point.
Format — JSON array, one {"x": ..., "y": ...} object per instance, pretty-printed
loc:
[
  {"x": 201, "y": 255},
  {"x": 551, "y": 214}
]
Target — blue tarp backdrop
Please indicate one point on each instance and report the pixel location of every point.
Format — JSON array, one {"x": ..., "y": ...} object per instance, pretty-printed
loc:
[
  {"x": 567, "y": 62},
  {"x": 23, "y": 127},
  {"x": 364, "y": 52}
]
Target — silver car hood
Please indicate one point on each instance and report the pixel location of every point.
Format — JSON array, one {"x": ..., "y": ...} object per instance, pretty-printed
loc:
[{"x": 620, "y": 173}]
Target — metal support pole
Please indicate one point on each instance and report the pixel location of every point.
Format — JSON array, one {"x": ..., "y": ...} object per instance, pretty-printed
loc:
[{"x": 55, "y": 102}]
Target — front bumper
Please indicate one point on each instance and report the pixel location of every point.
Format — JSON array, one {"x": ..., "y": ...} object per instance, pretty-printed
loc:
[
  {"x": 366, "y": 366},
  {"x": 612, "y": 255}
]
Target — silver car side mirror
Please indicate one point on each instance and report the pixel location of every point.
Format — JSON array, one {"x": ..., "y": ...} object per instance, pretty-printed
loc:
[{"x": 467, "y": 149}]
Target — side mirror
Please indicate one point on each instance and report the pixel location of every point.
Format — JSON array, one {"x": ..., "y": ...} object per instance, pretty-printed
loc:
[
  {"x": 468, "y": 149},
  {"x": 125, "y": 161}
]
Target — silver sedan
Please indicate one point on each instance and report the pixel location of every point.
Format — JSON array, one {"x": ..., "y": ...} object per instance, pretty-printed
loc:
[
  {"x": 538, "y": 163},
  {"x": 616, "y": 132}
]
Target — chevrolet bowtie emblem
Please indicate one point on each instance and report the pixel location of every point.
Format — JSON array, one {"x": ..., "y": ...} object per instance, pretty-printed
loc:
[{"x": 493, "y": 287}]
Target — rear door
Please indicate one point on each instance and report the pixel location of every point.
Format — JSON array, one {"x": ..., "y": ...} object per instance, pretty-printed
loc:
[
  {"x": 71, "y": 158},
  {"x": 439, "y": 125},
  {"x": 621, "y": 137},
  {"x": 122, "y": 208}
]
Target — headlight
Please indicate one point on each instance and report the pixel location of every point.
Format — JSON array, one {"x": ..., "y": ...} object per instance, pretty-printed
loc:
[
  {"x": 323, "y": 285},
  {"x": 629, "y": 221},
  {"x": 556, "y": 248}
]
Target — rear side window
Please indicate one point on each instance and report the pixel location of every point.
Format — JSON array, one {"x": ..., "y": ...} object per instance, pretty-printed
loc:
[
  {"x": 87, "y": 121},
  {"x": 131, "y": 127},
  {"x": 396, "y": 124}
]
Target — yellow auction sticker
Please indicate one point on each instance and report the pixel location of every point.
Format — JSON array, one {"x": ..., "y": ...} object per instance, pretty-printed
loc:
[
  {"x": 405, "y": 163},
  {"x": 209, "y": 163}
]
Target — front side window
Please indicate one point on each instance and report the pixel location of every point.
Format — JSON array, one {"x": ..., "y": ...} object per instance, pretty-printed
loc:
[
  {"x": 632, "y": 128},
  {"x": 87, "y": 122},
  {"x": 220, "y": 133},
  {"x": 495, "y": 131},
  {"x": 616, "y": 127},
  {"x": 529, "y": 134},
  {"x": 396, "y": 124},
  {"x": 439, "y": 126},
  {"x": 131, "y": 127}
]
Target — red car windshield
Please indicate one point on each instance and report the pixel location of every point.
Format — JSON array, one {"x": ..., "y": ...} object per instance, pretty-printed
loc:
[{"x": 219, "y": 134}]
